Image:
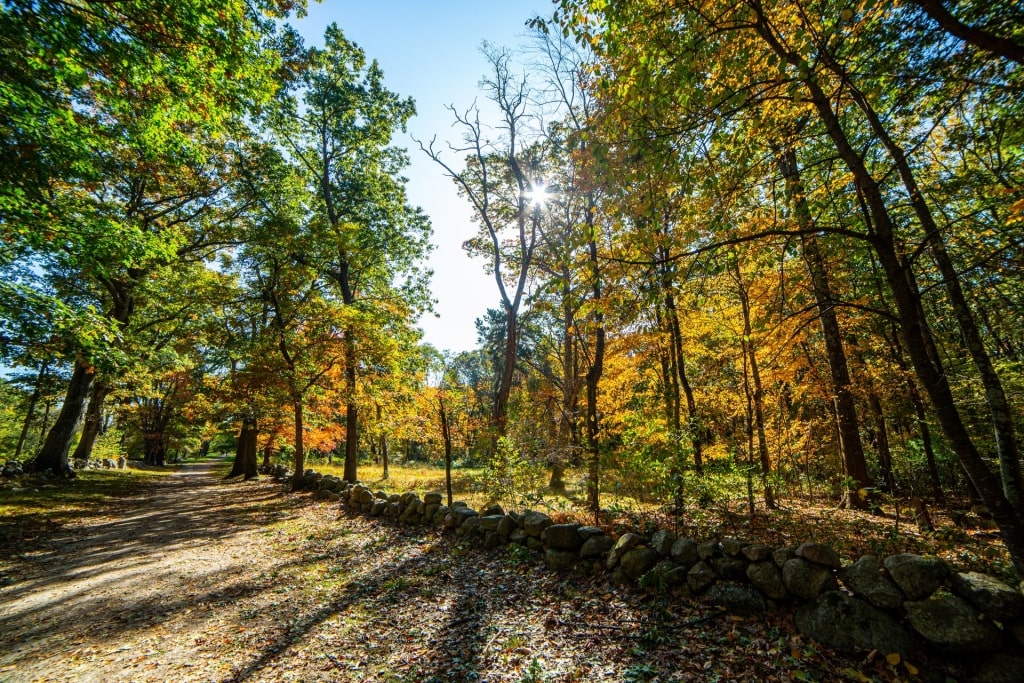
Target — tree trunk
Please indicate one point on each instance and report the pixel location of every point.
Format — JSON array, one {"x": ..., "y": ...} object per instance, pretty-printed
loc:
[
  {"x": 245, "y": 451},
  {"x": 299, "y": 455},
  {"x": 54, "y": 454},
  {"x": 507, "y": 372},
  {"x": 37, "y": 391},
  {"x": 915, "y": 330},
  {"x": 593, "y": 381},
  {"x": 447, "y": 435},
  {"x": 758, "y": 391},
  {"x": 93, "y": 421},
  {"x": 854, "y": 462},
  {"x": 351, "y": 413}
]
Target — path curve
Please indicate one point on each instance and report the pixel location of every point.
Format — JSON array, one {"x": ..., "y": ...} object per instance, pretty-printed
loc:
[{"x": 100, "y": 596}]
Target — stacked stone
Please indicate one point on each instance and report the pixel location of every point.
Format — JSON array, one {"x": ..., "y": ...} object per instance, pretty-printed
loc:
[
  {"x": 100, "y": 464},
  {"x": 867, "y": 605},
  {"x": 279, "y": 471},
  {"x": 12, "y": 468}
]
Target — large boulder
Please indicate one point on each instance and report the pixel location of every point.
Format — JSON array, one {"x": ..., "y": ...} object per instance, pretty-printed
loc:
[
  {"x": 732, "y": 546},
  {"x": 818, "y": 553},
  {"x": 867, "y": 580},
  {"x": 432, "y": 498},
  {"x": 534, "y": 523},
  {"x": 662, "y": 541},
  {"x": 559, "y": 560},
  {"x": 637, "y": 562},
  {"x": 807, "y": 580},
  {"x": 700, "y": 576},
  {"x": 738, "y": 598},
  {"x": 684, "y": 552},
  {"x": 990, "y": 595},
  {"x": 767, "y": 578},
  {"x": 918, "y": 577},
  {"x": 757, "y": 552},
  {"x": 851, "y": 624},
  {"x": 596, "y": 546},
  {"x": 953, "y": 625},
  {"x": 562, "y": 537},
  {"x": 625, "y": 543}
]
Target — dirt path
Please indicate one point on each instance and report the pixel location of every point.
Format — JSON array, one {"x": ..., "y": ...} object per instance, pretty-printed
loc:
[{"x": 202, "y": 580}]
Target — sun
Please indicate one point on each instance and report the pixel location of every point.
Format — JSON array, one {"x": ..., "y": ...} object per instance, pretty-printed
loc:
[{"x": 538, "y": 195}]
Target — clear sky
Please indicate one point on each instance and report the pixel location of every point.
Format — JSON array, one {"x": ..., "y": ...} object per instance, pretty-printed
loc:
[{"x": 430, "y": 51}]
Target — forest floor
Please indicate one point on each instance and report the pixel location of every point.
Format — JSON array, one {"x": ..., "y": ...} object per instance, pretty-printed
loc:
[{"x": 192, "y": 578}]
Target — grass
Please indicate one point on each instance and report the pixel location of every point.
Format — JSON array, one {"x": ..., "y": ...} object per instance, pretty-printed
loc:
[{"x": 61, "y": 499}]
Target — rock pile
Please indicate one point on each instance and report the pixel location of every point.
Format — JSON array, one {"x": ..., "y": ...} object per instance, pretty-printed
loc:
[
  {"x": 100, "y": 464},
  {"x": 887, "y": 605},
  {"x": 12, "y": 468}
]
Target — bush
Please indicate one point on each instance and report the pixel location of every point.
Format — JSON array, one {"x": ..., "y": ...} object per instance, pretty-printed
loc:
[{"x": 510, "y": 478}]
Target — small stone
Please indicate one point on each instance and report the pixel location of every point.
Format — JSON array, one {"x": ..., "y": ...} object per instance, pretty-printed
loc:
[
  {"x": 806, "y": 580},
  {"x": 918, "y": 577},
  {"x": 953, "y": 625},
  {"x": 700, "y": 576},
  {"x": 684, "y": 552},
  {"x": 819, "y": 553}
]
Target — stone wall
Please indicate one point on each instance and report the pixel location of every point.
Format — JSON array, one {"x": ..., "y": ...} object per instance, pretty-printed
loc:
[{"x": 890, "y": 605}]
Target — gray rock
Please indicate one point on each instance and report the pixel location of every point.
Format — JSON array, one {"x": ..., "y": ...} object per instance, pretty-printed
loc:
[
  {"x": 493, "y": 510},
  {"x": 625, "y": 543},
  {"x": 596, "y": 546},
  {"x": 534, "y": 543},
  {"x": 562, "y": 537},
  {"x": 917, "y": 576},
  {"x": 806, "y": 580},
  {"x": 867, "y": 580},
  {"x": 492, "y": 539},
  {"x": 662, "y": 541},
  {"x": 490, "y": 522},
  {"x": 432, "y": 498},
  {"x": 459, "y": 504},
  {"x": 738, "y": 598},
  {"x": 439, "y": 516},
  {"x": 782, "y": 556},
  {"x": 684, "y": 552},
  {"x": 952, "y": 624},
  {"x": 430, "y": 510},
  {"x": 506, "y": 526},
  {"x": 757, "y": 552},
  {"x": 700, "y": 576},
  {"x": 998, "y": 668},
  {"x": 462, "y": 514},
  {"x": 708, "y": 549},
  {"x": 560, "y": 560},
  {"x": 819, "y": 553},
  {"x": 637, "y": 562},
  {"x": 378, "y": 507},
  {"x": 394, "y": 509},
  {"x": 732, "y": 547},
  {"x": 535, "y": 522},
  {"x": 850, "y": 624},
  {"x": 518, "y": 536},
  {"x": 990, "y": 595},
  {"x": 768, "y": 579},
  {"x": 588, "y": 532},
  {"x": 729, "y": 568},
  {"x": 469, "y": 526}
]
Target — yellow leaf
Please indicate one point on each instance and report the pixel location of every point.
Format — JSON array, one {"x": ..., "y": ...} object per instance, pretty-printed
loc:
[
  {"x": 911, "y": 669},
  {"x": 893, "y": 658}
]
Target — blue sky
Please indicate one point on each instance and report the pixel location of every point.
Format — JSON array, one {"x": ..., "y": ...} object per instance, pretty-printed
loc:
[{"x": 430, "y": 51}]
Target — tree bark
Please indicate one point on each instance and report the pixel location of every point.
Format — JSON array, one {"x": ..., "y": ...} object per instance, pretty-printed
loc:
[
  {"x": 54, "y": 454},
  {"x": 93, "y": 421},
  {"x": 37, "y": 391},
  {"x": 245, "y": 451},
  {"x": 351, "y": 412},
  {"x": 851, "y": 447},
  {"x": 447, "y": 435},
  {"x": 299, "y": 455}
]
